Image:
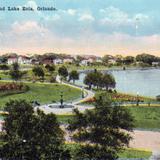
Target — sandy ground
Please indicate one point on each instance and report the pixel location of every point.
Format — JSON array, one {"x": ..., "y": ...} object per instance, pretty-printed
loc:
[{"x": 146, "y": 140}]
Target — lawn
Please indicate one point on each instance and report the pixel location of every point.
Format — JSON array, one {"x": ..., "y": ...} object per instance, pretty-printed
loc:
[
  {"x": 44, "y": 93},
  {"x": 128, "y": 153},
  {"x": 146, "y": 117},
  {"x": 135, "y": 153}
]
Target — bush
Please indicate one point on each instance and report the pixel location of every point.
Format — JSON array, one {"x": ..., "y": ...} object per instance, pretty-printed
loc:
[
  {"x": 53, "y": 80},
  {"x": 158, "y": 98}
]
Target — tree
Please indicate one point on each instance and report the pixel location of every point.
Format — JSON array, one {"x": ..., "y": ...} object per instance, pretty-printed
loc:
[
  {"x": 146, "y": 58},
  {"x": 108, "y": 81},
  {"x": 62, "y": 71},
  {"x": 15, "y": 72},
  {"x": 50, "y": 68},
  {"x": 38, "y": 71},
  {"x": 105, "y": 59},
  {"x": 104, "y": 130},
  {"x": 4, "y": 67},
  {"x": 73, "y": 75},
  {"x": 31, "y": 136},
  {"x": 128, "y": 60},
  {"x": 93, "y": 79},
  {"x": 99, "y": 80}
]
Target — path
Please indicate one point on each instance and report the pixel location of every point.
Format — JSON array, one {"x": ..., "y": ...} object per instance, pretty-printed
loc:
[{"x": 149, "y": 140}]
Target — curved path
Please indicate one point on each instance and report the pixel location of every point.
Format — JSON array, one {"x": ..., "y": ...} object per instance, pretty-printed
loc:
[{"x": 87, "y": 95}]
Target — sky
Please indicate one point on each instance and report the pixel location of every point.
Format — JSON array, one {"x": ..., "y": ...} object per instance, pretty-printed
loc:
[{"x": 98, "y": 27}]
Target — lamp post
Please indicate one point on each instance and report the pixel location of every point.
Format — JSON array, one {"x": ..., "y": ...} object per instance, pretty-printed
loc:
[
  {"x": 61, "y": 100},
  {"x": 137, "y": 99},
  {"x": 82, "y": 92}
]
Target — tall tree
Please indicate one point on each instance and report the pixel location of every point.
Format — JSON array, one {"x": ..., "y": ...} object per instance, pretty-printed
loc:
[
  {"x": 108, "y": 81},
  {"x": 62, "y": 71},
  {"x": 38, "y": 71},
  {"x": 128, "y": 60},
  {"x": 50, "y": 68},
  {"x": 73, "y": 75},
  {"x": 15, "y": 72},
  {"x": 31, "y": 136},
  {"x": 146, "y": 58},
  {"x": 104, "y": 130}
]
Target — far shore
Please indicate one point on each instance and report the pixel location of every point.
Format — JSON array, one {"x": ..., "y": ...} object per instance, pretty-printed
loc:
[{"x": 117, "y": 69}]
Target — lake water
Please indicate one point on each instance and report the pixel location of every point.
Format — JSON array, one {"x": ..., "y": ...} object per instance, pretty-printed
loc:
[{"x": 141, "y": 82}]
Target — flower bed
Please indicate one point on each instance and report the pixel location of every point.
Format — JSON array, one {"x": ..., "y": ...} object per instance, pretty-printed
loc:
[
  {"x": 12, "y": 88},
  {"x": 121, "y": 97},
  {"x": 129, "y": 98}
]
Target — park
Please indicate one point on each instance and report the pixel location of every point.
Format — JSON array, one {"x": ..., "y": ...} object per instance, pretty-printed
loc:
[{"x": 61, "y": 96}]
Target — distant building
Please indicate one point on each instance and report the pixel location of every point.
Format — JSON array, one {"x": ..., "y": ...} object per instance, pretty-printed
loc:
[
  {"x": 57, "y": 61},
  {"x": 68, "y": 60},
  {"x": 12, "y": 59},
  {"x": 86, "y": 62},
  {"x": 155, "y": 63},
  {"x": 35, "y": 61},
  {"x": 112, "y": 61},
  {"x": 99, "y": 60},
  {"x": 47, "y": 61},
  {"x": 24, "y": 60}
]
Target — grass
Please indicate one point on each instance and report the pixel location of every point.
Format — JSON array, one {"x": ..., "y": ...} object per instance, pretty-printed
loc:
[
  {"x": 127, "y": 153},
  {"x": 146, "y": 117},
  {"x": 44, "y": 93},
  {"x": 135, "y": 153}
]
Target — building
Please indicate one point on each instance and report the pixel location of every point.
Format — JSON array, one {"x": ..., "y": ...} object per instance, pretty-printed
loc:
[
  {"x": 12, "y": 59},
  {"x": 68, "y": 60},
  {"x": 47, "y": 61},
  {"x": 155, "y": 63},
  {"x": 57, "y": 61},
  {"x": 86, "y": 62},
  {"x": 24, "y": 60}
]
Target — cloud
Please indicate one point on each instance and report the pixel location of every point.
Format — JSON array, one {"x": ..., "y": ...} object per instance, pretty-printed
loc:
[
  {"x": 86, "y": 17},
  {"x": 114, "y": 16},
  {"x": 71, "y": 12},
  {"x": 27, "y": 27}
]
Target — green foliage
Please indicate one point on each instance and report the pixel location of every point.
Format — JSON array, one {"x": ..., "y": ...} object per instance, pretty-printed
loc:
[
  {"x": 38, "y": 71},
  {"x": 4, "y": 67},
  {"x": 99, "y": 80},
  {"x": 102, "y": 129},
  {"x": 128, "y": 60},
  {"x": 73, "y": 75},
  {"x": 50, "y": 68},
  {"x": 146, "y": 58},
  {"x": 126, "y": 153},
  {"x": 62, "y": 71},
  {"x": 15, "y": 72},
  {"x": 31, "y": 136}
]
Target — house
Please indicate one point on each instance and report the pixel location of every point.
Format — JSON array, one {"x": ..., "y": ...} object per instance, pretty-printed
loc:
[
  {"x": 99, "y": 60},
  {"x": 57, "y": 61},
  {"x": 24, "y": 60},
  {"x": 86, "y": 62},
  {"x": 68, "y": 60},
  {"x": 112, "y": 61},
  {"x": 47, "y": 61},
  {"x": 12, "y": 59},
  {"x": 155, "y": 63},
  {"x": 35, "y": 61}
]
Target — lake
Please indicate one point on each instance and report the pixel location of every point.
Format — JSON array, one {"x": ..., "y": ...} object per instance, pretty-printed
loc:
[{"x": 141, "y": 82}]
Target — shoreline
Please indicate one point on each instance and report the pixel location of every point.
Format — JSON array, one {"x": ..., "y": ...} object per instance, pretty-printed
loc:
[{"x": 118, "y": 69}]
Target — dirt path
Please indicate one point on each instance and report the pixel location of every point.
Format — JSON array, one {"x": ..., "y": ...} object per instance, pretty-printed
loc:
[{"x": 146, "y": 140}]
